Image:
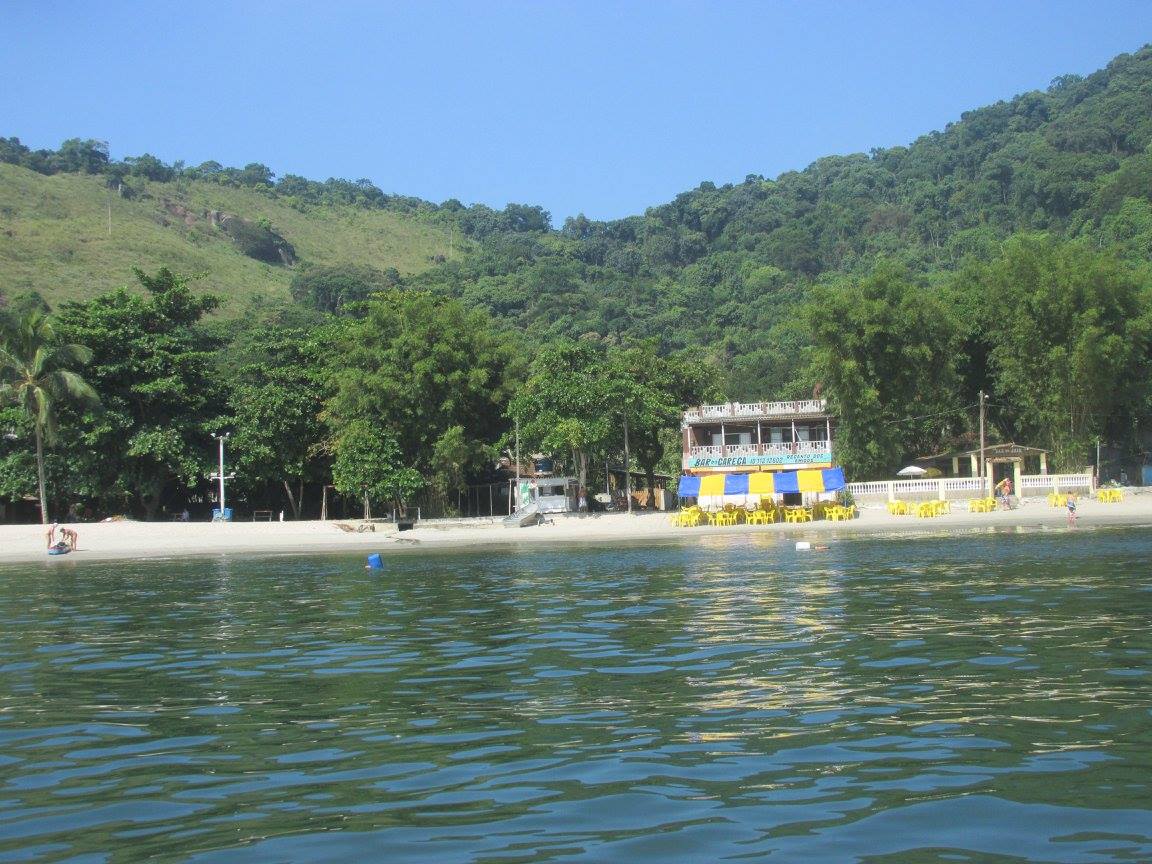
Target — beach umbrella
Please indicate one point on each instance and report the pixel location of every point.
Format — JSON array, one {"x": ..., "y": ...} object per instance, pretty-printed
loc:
[{"x": 912, "y": 471}]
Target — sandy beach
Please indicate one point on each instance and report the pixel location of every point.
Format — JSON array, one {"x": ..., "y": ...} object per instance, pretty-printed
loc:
[{"x": 127, "y": 539}]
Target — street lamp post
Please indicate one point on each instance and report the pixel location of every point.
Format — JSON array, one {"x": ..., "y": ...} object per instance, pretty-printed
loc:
[{"x": 220, "y": 475}]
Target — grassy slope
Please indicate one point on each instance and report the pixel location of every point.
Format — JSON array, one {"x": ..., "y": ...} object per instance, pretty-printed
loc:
[{"x": 54, "y": 237}]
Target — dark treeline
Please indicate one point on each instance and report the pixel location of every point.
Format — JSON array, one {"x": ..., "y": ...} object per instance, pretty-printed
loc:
[
  {"x": 1008, "y": 253},
  {"x": 112, "y": 404}
]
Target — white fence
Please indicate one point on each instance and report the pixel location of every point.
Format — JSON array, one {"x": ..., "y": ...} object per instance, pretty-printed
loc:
[
  {"x": 766, "y": 449},
  {"x": 964, "y": 487},
  {"x": 756, "y": 409}
]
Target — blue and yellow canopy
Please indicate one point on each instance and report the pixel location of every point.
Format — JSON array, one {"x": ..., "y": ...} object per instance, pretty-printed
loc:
[{"x": 762, "y": 483}]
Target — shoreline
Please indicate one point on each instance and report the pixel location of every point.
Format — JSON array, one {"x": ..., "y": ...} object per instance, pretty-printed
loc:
[{"x": 108, "y": 541}]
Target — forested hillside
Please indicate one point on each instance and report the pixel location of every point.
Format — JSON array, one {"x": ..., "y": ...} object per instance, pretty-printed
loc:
[
  {"x": 717, "y": 267},
  {"x": 1010, "y": 253},
  {"x": 724, "y": 267}
]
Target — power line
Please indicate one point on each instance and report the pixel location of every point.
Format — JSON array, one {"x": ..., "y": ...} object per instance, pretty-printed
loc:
[{"x": 928, "y": 416}]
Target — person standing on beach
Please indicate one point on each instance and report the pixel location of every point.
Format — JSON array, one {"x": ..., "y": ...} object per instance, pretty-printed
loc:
[
  {"x": 1004, "y": 490},
  {"x": 51, "y": 534},
  {"x": 1071, "y": 510},
  {"x": 69, "y": 536}
]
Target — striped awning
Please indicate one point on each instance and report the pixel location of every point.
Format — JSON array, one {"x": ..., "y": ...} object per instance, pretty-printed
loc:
[{"x": 762, "y": 483}]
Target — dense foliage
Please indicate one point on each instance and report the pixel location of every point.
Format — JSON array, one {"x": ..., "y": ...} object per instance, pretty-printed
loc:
[{"x": 1009, "y": 253}]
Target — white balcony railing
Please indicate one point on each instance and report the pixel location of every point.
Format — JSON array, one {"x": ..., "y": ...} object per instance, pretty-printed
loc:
[
  {"x": 746, "y": 410},
  {"x": 715, "y": 451}
]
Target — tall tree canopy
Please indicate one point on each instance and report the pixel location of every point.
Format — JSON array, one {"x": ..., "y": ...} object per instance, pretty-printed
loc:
[
  {"x": 884, "y": 353},
  {"x": 276, "y": 407},
  {"x": 153, "y": 369},
  {"x": 429, "y": 373},
  {"x": 37, "y": 375},
  {"x": 1065, "y": 334}
]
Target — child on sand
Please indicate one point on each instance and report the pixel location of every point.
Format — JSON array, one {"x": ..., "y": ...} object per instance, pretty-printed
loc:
[{"x": 1071, "y": 511}]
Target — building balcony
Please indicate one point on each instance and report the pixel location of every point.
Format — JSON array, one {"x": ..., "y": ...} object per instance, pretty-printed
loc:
[
  {"x": 756, "y": 411},
  {"x": 729, "y": 450}
]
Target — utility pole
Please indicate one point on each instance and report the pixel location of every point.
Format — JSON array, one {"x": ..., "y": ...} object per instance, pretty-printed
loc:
[
  {"x": 627, "y": 466},
  {"x": 983, "y": 467},
  {"x": 220, "y": 475},
  {"x": 518, "y": 502}
]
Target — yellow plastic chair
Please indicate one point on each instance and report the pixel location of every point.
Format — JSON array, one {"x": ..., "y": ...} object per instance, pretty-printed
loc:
[{"x": 761, "y": 517}]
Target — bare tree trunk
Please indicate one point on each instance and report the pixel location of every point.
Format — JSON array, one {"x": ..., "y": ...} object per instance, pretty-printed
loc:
[
  {"x": 291, "y": 500},
  {"x": 40, "y": 473}
]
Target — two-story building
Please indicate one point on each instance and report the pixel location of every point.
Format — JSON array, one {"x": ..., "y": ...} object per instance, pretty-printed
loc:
[{"x": 757, "y": 436}]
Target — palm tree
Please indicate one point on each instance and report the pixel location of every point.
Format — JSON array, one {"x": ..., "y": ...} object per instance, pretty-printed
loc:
[{"x": 35, "y": 375}]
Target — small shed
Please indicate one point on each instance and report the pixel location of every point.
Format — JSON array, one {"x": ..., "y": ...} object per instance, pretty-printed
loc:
[{"x": 1010, "y": 454}]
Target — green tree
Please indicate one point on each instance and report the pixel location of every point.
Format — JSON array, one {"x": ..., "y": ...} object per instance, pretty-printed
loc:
[
  {"x": 276, "y": 406},
  {"x": 37, "y": 375},
  {"x": 331, "y": 288},
  {"x": 651, "y": 393},
  {"x": 429, "y": 373},
  {"x": 1066, "y": 331},
  {"x": 883, "y": 352},
  {"x": 153, "y": 368},
  {"x": 368, "y": 464},
  {"x": 571, "y": 403}
]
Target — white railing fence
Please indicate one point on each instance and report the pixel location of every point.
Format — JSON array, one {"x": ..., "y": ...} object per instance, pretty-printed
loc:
[
  {"x": 963, "y": 487},
  {"x": 769, "y": 449},
  {"x": 757, "y": 409}
]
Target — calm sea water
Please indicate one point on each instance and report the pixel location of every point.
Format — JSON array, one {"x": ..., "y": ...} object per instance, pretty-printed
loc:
[{"x": 980, "y": 699}]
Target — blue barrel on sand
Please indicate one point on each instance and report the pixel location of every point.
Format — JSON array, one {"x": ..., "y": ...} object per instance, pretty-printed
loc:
[{"x": 375, "y": 562}]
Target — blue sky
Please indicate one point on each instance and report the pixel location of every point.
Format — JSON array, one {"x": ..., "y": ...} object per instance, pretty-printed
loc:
[{"x": 593, "y": 107}]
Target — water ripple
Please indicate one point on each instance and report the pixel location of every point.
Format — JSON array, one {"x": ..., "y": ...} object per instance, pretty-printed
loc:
[{"x": 979, "y": 698}]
